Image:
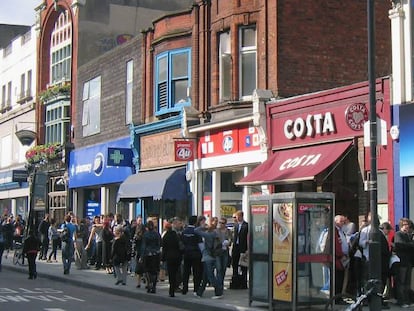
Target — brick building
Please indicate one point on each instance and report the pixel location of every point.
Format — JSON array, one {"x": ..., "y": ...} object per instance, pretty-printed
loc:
[{"x": 204, "y": 64}]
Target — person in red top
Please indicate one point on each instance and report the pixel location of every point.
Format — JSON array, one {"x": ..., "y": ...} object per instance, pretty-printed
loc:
[{"x": 340, "y": 256}]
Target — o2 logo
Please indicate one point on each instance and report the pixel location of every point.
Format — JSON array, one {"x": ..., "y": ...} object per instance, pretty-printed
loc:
[
  {"x": 228, "y": 144},
  {"x": 98, "y": 164}
]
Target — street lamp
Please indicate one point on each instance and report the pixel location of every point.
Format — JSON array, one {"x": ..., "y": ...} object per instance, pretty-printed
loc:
[{"x": 374, "y": 272}]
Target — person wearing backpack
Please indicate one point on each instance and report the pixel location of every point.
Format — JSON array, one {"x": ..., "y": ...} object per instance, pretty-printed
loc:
[{"x": 68, "y": 247}]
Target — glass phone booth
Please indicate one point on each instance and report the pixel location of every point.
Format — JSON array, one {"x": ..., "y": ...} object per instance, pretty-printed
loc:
[{"x": 289, "y": 265}]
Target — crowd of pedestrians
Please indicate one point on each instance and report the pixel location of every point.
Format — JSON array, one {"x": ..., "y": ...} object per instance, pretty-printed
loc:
[
  {"x": 353, "y": 260},
  {"x": 203, "y": 248},
  {"x": 11, "y": 232}
]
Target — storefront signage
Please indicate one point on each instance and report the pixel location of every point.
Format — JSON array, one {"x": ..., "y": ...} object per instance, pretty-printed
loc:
[
  {"x": 89, "y": 166},
  {"x": 324, "y": 116},
  {"x": 120, "y": 157},
  {"x": 304, "y": 160},
  {"x": 13, "y": 176},
  {"x": 184, "y": 150},
  {"x": 157, "y": 150},
  {"x": 228, "y": 141},
  {"x": 19, "y": 175},
  {"x": 316, "y": 124},
  {"x": 356, "y": 115}
]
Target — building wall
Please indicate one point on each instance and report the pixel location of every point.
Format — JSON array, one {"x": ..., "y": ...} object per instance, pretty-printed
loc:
[
  {"x": 19, "y": 109},
  {"x": 323, "y": 44},
  {"x": 301, "y": 46},
  {"x": 112, "y": 68},
  {"x": 171, "y": 32}
]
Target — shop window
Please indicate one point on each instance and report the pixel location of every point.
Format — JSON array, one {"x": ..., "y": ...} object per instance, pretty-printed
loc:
[
  {"x": 228, "y": 179},
  {"x": 172, "y": 80},
  {"x": 247, "y": 61},
  {"x": 91, "y": 113}
]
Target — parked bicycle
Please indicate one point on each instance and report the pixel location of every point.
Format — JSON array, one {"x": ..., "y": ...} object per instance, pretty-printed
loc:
[
  {"x": 18, "y": 257},
  {"x": 355, "y": 303}
]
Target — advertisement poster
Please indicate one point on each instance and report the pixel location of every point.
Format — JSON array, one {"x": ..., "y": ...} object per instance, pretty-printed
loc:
[
  {"x": 282, "y": 281},
  {"x": 260, "y": 228},
  {"x": 282, "y": 231},
  {"x": 282, "y": 251}
]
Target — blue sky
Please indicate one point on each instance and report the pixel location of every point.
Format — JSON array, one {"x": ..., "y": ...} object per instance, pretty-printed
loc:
[{"x": 18, "y": 12}]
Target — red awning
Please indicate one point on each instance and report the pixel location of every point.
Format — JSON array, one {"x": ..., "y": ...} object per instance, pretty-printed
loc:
[{"x": 295, "y": 164}]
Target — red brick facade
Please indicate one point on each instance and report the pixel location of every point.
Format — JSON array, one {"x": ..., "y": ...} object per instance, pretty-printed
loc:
[{"x": 302, "y": 46}]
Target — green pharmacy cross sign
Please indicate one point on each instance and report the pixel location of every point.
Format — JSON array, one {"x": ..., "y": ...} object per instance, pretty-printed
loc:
[{"x": 119, "y": 157}]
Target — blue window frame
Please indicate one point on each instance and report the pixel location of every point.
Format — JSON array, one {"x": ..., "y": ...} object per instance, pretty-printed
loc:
[{"x": 172, "y": 80}]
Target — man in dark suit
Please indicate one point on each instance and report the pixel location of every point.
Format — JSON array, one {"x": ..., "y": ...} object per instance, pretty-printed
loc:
[{"x": 240, "y": 246}]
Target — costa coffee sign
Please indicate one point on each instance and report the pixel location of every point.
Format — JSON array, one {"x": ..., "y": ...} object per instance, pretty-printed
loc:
[
  {"x": 310, "y": 126},
  {"x": 356, "y": 115},
  {"x": 184, "y": 150}
]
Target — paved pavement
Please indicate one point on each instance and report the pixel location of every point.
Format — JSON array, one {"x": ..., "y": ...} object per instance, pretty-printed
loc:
[{"x": 100, "y": 280}]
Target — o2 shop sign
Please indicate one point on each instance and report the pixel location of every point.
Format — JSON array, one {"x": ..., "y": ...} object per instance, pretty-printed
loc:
[{"x": 184, "y": 150}]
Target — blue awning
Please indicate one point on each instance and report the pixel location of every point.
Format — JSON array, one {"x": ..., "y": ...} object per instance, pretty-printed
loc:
[{"x": 165, "y": 184}]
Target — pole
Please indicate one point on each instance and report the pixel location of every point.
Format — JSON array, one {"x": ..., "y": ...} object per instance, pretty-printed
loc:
[{"x": 374, "y": 269}]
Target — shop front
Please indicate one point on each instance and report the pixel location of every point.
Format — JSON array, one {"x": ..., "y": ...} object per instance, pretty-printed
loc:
[
  {"x": 14, "y": 192},
  {"x": 317, "y": 145},
  {"x": 224, "y": 154},
  {"x": 159, "y": 189},
  {"x": 95, "y": 174}
]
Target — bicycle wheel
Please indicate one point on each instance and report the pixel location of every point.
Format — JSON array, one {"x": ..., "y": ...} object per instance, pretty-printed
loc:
[
  {"x": 332, "y": 305},
  {"x": 16, "y": 256}
]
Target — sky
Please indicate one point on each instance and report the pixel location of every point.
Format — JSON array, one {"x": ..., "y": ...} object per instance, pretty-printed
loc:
[{"x": 18, "y": 12}]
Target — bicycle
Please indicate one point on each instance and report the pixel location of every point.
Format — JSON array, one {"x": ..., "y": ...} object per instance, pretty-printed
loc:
[
  {"x": 18, "y": 257},
  {"x": 355, "y": 303}
]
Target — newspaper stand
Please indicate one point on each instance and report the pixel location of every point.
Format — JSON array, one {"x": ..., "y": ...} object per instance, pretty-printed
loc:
[{"x": 290, "y": 266}]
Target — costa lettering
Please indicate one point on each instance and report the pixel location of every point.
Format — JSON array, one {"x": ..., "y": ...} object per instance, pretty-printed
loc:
[
  {"x": 316, "y": 124},
  {"x": 305, "y": 160}
]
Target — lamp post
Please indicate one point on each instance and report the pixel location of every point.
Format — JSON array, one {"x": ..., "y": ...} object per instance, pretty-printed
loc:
[{"x": 374, "y": 272}]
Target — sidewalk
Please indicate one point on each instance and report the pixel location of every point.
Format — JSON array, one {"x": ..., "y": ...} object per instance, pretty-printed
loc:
[{"x": 100, "y": 280}]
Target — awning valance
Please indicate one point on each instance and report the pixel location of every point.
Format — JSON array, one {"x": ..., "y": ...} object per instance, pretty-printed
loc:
[
  {"x": 295, "y": 164},
  {"x": 165, "y": 184}
]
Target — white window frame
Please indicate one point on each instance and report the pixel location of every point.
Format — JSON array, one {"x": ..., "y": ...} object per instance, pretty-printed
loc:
[
  {"x": 244, "y": 51},
  {"x": 129, "y": 91},
  {"x": 91, "y": 108},
  {"x": 225, "y": 63}
]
